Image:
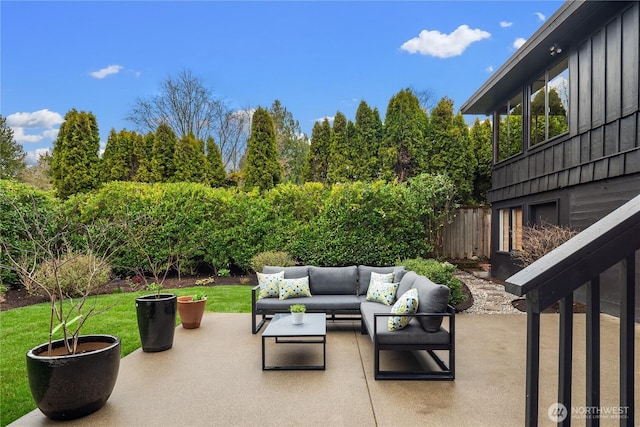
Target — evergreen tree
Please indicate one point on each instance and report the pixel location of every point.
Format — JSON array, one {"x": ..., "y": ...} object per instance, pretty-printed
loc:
[
  {"x": 403, "y": 151},
  {"x": 164, "y": 145},
  {"x": 189, "y": 160},
  {"x": 263, "y": 169},
  {"x": 117, "y": 160},
  {"x": 481, "y": 142},
  {"x": 341, "y": 158},
  {"x": 217, "y": 176},
  {"x": 143, "y": 158},
  {"x": 75, "y": 165},
  {"x": 291, "y": 143},
  {"x": 368, "y": 138},
  {"x": 12, "y": 156},
  {"x": 317, "y": 164},
  {"x": 450, "y": 152}
]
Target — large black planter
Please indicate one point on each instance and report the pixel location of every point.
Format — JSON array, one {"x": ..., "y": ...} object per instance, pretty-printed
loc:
[
  {"x": 72, "y": 386},
  {"x": 156, "y": 321}
]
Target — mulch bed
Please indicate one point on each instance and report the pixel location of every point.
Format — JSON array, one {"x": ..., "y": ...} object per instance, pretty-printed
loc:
[
  {"x": 20, "y": 297},
  {"x": 521, "y": 305}
]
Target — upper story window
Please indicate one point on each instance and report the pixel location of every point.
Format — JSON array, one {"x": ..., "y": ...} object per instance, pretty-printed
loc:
[
  {"x": 510, "y": 129},
  {"x": 550, "y": 103}
]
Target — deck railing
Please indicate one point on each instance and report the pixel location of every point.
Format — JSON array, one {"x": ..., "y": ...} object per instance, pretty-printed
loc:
[{"x": 555, "y": 277}]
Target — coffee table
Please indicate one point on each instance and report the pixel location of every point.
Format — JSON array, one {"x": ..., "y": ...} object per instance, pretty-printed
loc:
[{"x": 312, "y": 331}]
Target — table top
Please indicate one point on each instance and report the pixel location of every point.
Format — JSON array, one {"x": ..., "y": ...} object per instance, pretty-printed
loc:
[{"x": 315, "y": 324}]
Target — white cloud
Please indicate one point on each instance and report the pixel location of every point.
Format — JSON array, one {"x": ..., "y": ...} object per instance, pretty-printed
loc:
[
  {"x": 540, "y": 16},
  {"x": 322, "y": 119},
  {"x": 37, "y": 119},
  {"x": 505, "y": 24},
  {"x": 489, "y": 69},
  {"x": 32, "y": 156},
  {"x": 104, "y": 72},
  {"x": 434, "y": 43},
  {"x": 42, "y": 124},
  {"x": 519, "y": 42}
]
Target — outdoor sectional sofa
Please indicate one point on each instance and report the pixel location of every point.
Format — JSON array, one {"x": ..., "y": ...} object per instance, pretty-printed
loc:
[{"x": 341, "y": 293}]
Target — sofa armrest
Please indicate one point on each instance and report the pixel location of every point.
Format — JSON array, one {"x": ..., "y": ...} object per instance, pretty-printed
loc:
[{"x": 448, "y": 314}]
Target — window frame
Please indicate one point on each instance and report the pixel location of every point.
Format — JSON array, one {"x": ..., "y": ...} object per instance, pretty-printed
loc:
[{"x": 512, "y": 218}]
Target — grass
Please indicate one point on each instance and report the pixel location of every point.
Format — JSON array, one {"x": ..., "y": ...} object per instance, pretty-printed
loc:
[{"x": 24, "y": 328}]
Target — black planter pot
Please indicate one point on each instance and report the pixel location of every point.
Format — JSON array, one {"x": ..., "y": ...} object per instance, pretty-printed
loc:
[
  {"x": 156, "y": 321},
  {"x": 72, "y": 386}
]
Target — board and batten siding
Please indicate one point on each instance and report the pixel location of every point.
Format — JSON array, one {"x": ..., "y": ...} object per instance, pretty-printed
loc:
[{"x": 604, "y": 121}]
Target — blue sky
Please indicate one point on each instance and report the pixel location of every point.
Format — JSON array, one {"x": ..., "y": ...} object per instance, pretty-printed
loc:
[{"x": 316, "y": 57}]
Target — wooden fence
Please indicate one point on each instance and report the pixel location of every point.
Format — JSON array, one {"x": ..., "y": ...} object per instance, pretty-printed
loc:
[{"x": 468, "y": 235}]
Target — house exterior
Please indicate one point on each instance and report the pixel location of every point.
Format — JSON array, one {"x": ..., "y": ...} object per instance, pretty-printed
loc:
[{"x": 566, "y": 136}]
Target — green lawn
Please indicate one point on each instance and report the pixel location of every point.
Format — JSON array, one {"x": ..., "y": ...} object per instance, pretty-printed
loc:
[{"x": 24, "y": 328}]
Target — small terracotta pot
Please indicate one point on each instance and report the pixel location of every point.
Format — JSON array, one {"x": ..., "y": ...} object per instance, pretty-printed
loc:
[{"x": 191, "y": 311}]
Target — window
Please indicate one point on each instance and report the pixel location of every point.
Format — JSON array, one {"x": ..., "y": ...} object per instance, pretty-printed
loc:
[
  {"x": 550, "y": 103},
  {"x": 510, "y": 229},
  {"x": 510, "y": 129}
]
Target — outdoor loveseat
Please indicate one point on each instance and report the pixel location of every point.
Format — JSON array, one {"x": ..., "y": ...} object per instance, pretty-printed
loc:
[{"x": 341, "y": 293}]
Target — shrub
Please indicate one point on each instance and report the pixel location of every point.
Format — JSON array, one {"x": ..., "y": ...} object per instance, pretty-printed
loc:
[
  {"x": 277, "y": 258},
  {"x": 20, "y": 201},
  {"x": 77, "y": 274},
  {"x": 539, "y": 240},
  {"x": 438, "y": 272}
]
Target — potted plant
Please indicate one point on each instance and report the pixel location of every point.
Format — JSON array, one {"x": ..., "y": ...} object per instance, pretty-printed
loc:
[
  {"x": 297, "y": 313},
  {"x": 156, "y": 315},
  {"x": 191, "y": 309},
  {"x": 156, "y": 312},
  {"x": 71, "y": 375}
]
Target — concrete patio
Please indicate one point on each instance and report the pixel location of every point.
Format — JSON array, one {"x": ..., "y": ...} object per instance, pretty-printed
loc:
[{"x": 212, "y": 377}]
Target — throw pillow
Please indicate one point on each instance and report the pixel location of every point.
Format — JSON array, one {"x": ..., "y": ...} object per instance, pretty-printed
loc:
[
  {"x": 381, "y": 292},
  {"x": 295, "y": 288},
  {"x": 406, "y": 304},
  {"x": 270, "y": 284},
  {"x": 380, "y": 277}
]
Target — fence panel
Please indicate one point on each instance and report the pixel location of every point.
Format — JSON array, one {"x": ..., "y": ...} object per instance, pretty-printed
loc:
[{"x": 468, "y": 235}]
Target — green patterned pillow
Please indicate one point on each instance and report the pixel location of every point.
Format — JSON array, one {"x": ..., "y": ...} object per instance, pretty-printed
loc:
[
  {"x": 270, "y": 284},
  {"x": 295, "y": 288},
  {"x": 384, "y": 293},
  {"x": 406, "y": 304}
]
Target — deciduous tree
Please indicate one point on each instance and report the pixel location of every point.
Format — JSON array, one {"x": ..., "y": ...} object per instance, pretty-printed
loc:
[
  {"x": 291, "y": 143},
  {"x": 184, "y": 103}
]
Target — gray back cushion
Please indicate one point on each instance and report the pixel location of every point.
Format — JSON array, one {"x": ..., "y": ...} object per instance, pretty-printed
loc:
[
  {"x": 364, "y": 275},
  {"x": 295, "y": 272},
  {"x": 333, "y": 280},
  {"x": 433, "y": 299},
  {"x": 406, "y": 283}
]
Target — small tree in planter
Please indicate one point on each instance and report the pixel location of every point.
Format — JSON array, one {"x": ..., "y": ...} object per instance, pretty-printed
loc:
[{"x": 67, "y": 262}]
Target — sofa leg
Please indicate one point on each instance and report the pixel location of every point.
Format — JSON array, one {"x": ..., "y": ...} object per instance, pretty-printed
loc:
[{"x": 255, "y": 328}]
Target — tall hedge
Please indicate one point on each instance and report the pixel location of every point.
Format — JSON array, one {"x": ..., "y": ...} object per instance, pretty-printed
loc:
[
  {"x": 18, "y": 202},
  {"x": 193, "y": 224}
]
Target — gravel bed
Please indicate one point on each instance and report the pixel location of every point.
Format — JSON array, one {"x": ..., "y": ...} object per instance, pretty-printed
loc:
[{"x": 488, "y": 297}]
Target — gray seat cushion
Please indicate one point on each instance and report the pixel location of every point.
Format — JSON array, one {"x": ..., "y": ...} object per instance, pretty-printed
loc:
[
  {"x": 314, "y": 303},
  {"x": 333, "y": 280},
  {"x": 413, "y": 333},
  {"x": 295, "y": 272},
  {"x": 433, "y": 298},
  {"x": 364, "y": 275}
]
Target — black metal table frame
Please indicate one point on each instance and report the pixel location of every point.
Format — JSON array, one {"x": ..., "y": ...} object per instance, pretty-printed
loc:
[
  {"x": 285, "y": 340},
  {"x": 302, "y": 338}
]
